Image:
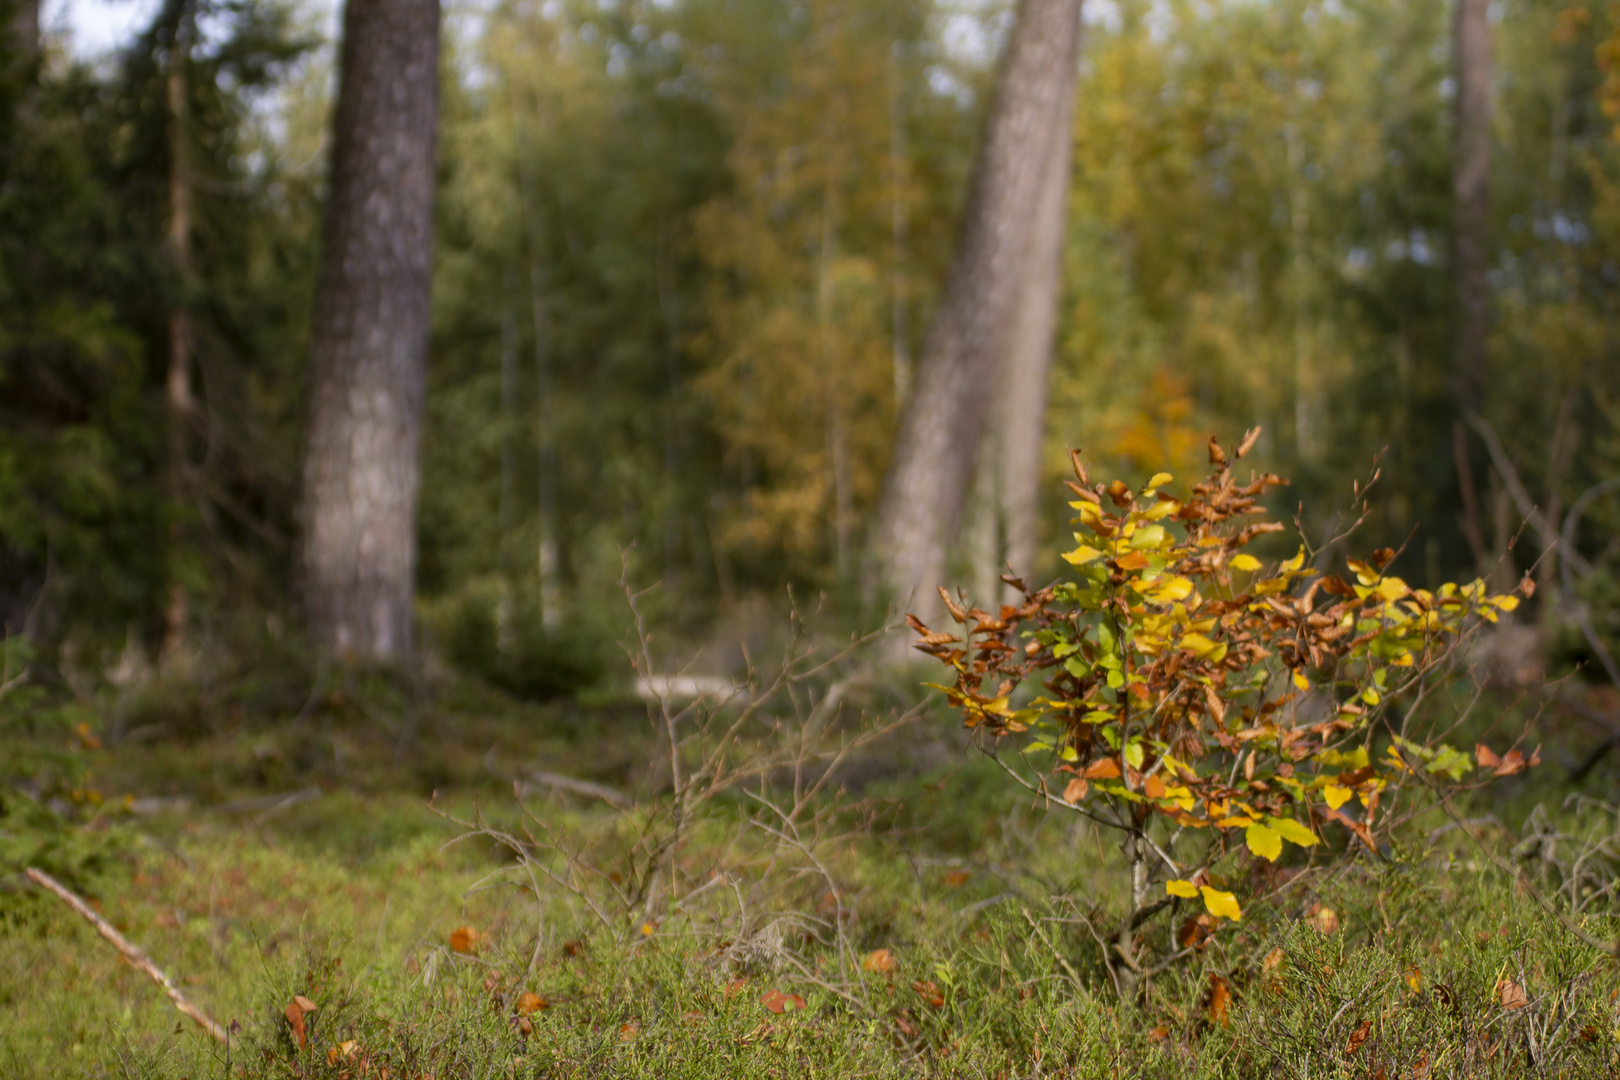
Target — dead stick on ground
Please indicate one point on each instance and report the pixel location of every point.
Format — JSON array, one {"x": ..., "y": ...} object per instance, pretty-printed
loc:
[{"x": 130, "y": 952}]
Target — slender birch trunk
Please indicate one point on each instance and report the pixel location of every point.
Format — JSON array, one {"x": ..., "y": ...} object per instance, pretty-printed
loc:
[{"x": 945, "y": 415}]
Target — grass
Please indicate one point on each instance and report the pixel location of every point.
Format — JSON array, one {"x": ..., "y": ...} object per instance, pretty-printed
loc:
[{"x": 1430, "y": 963}]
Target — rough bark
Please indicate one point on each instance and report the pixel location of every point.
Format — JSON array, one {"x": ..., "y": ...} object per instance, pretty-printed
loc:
[
  {"x": 944, "y": 417},
  {"x": 1471, "y": 167},
  {"x": 1008, "y": 478},
  {"x": 368, "y": 356}
]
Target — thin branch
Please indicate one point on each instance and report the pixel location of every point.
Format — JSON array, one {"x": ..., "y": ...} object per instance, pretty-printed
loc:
[{"x": 130, "y": 952}]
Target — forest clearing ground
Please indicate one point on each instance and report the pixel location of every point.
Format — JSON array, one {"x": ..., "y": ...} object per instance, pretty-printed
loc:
[{"x": 1428, "y": 965}]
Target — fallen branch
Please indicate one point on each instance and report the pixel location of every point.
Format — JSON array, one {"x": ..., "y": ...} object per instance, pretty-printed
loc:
[
  {"x": 130, "y": 952},
  {"x": 581, "y": 787}
]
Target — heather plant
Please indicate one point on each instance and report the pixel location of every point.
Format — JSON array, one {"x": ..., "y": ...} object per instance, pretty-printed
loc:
[{"x": 1196, "y": 701}]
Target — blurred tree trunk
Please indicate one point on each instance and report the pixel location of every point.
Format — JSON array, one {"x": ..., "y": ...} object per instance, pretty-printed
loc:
[
  {"x": 25, "y": 29},
  {"x": 1471, "y": 168},
  {"x": 368, "y": 355},
  {"x": 177, "y": 389},
  {"x": 1008, "y": 478},
  {"x": 944, "y": 416}
]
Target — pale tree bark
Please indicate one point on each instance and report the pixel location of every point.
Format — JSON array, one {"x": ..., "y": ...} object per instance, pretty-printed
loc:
[
  {"x": 177, "y": 388},
  {"x": 1006, "y": 507},
  {"x": 944, "y": 416},
  {"x": 1471, "y": 168},
  {"x": 368, "y": 356}
]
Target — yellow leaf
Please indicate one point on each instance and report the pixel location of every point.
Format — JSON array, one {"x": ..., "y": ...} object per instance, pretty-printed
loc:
[
  {"x": 1169, "y": 590},
  {"x": 1082, "y": 555},
  {"x": 1263, "y": 841},
  {"x": 1236, "y": 821},
  {"x": 1393, "y": 588},
  {"x": 1292, "y": 831},
  {"x": 1506, "y": 603},
  {"x": 1181, "y": 888},
  {"x": 1245, "y": 562},
  {"x": 1336, "y": 795},
  {"x": 1370, "y": 696},
  {"x": 1222, "y": 905},
  {"x": 1301, "y": 681},
  {"x": 1296, "y": 562},
  {"x": 1160, "y": 479}
]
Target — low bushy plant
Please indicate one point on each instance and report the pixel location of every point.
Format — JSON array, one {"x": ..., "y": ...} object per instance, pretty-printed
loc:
[{"x": 1194, "y": 699}]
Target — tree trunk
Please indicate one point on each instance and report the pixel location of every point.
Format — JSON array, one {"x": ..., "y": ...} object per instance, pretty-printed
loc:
[
  {"x": 944, "y": 417},
  {"x": 1008, "y": 484},
  {"x": 177, "y": 390},
  {"x": 25, "y": 30},
  {"x": 368, "y": 355},
  {"x": 1471, "y": 168}
]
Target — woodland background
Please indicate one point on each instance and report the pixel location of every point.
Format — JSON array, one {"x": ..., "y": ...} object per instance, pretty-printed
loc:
[
  {"x": 685, "y": 256},
  {"x": 670, "y": 238}
]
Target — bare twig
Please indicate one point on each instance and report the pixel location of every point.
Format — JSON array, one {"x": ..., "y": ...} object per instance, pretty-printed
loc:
[
  {"x": 611, "y": 796},
  {"x": 130, "y": 952}
]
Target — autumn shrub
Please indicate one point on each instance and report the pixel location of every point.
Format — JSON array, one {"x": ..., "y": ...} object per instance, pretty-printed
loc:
[{"x": 1196, "y": 701}]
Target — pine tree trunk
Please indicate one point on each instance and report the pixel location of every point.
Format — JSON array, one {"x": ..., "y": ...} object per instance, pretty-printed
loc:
[
  {"x": 1471, "y": 168},
  {"x": 368, "y": 356},
  {"x": 944, "y": 417}
]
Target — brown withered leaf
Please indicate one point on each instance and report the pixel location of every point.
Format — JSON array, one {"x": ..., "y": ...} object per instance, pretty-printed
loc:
[
  {"x": 935, "y": 639},
  {"x": 1102, "y": 769},
  {"x": 956, "y": 610},
  {"x": 930, "y": 993},
  {"x": 1159, "y": 1034},
  {"x": 1076, "y": 789},
  {"x": 1511, "y": 994},
  {"x": 1334, "y": 585},
  {"x": 778, "y": 1002},
  {"x": 1079, "y": 466},
  {"x": 1357, "y": 1037},
  {"x": 1120, "y": 493},
  {"x": 1514, "y": 762},
  {"x": 1527, "y": 585},
  {"x": 573, "y": 948},
  {"x": 1194, "y": 932},
  {"x": 1382, "y": 557},
  {"x": 1220, "y": 991},
  {"x": 879, "y": 960},
  {"x": 955, "y": 879},
  {"x": 1250, "y": 437},
  {"x": 531, "y": 1003},
  {"x": 465, "y": 939},
  {"x": 629, "y": 1030},
  {"x": 298, "y": 1008},
  {"x": 1217, "y": 456}
]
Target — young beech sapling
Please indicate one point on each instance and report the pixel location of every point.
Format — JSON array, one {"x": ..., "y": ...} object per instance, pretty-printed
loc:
[{"x": 1193, "y": 698}]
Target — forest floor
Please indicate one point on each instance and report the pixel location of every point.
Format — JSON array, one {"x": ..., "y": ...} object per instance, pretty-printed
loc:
[{"x": 321, "y": 860}]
